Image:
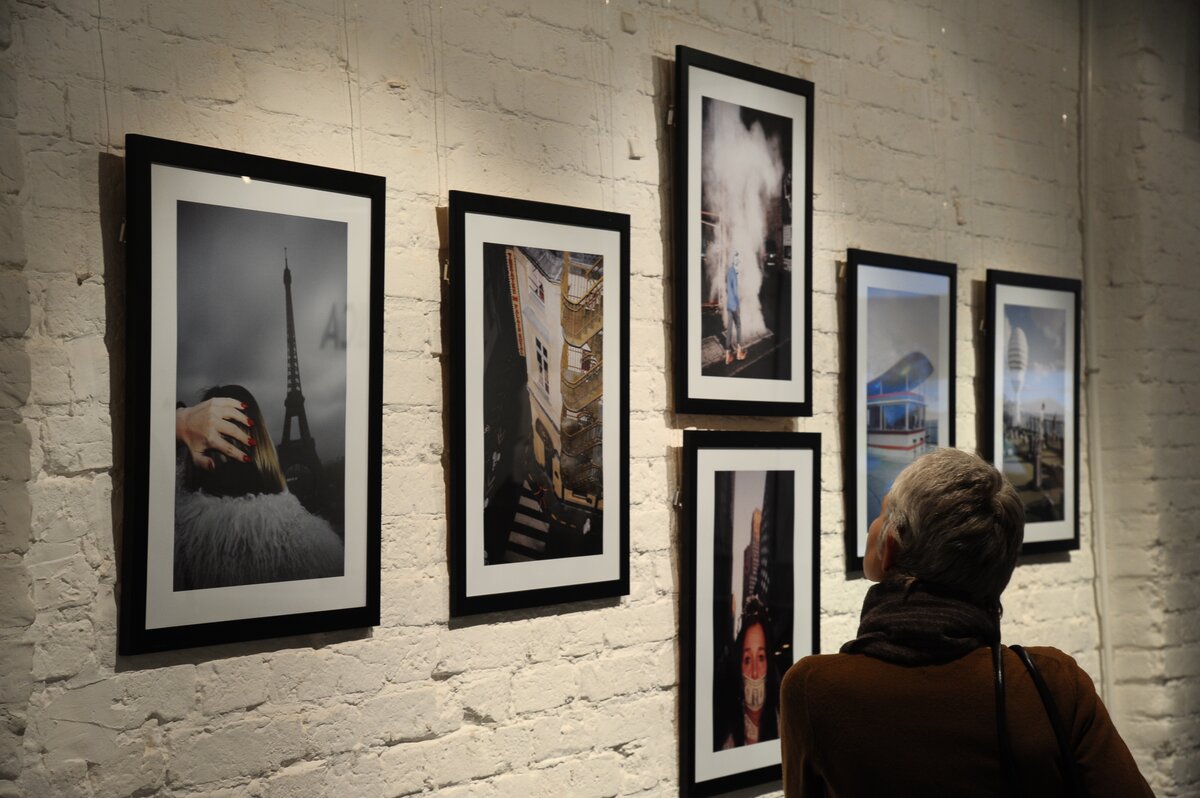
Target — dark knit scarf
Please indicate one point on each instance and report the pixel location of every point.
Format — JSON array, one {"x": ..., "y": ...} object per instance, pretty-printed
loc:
[{"x": 908, "y": 622}]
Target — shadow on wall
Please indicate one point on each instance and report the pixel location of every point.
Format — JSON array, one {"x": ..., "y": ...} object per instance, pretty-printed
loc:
[
  {"x": 1148, "y": 87},
  {"x": 1175, "y": 490},
  {"x": 111, "y": 174},
  {"x": 16, "y": 595}
]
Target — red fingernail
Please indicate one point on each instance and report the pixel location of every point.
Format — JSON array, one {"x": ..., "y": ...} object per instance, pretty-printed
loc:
[
  {"x": 245, "y": 458},
  {"x": 244, "y": 405},
  {"x": 252, "y": 442},
  {"x": 249, "y": 422}
]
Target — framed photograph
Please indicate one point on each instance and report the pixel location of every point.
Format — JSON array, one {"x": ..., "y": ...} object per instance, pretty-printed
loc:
[
  {"x": 254, "y": 340},
  {"x": 540, "y": 404},
  {"x": 743, "y": 238},
  {"x": 750, "y": 598},
  {"x": 899, "y": 378},
  {"x": 1031, "y": 423}
]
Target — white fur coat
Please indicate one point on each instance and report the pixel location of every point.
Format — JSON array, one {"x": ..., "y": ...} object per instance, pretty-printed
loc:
[{"x": 241, "y": 540}]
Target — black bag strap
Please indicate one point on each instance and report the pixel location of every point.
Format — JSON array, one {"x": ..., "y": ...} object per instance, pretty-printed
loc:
[
  {"x": 1008, "y": 767},
  {"x": 1073, "y": 777}
]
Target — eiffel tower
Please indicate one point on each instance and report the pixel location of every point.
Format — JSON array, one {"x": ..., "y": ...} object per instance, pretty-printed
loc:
[{"x": 297, "y": 455}]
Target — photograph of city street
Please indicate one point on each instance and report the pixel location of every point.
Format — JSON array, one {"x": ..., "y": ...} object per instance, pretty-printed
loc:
[{"x": 543, "y": 387}]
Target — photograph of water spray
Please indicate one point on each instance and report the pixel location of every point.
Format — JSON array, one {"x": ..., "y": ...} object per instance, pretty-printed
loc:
[{"x": 743, "y": 210}]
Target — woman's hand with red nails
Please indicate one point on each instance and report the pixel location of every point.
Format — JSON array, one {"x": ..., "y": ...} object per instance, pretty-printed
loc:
[{"x": 208, "y": 426}]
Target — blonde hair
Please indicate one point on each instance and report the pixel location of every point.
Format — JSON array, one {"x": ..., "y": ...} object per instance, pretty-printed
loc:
[{"x": 263, "y": 473}]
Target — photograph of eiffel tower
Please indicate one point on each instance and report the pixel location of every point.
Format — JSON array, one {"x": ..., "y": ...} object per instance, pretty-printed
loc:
[
  {"x": 297, "y": 449},
  {"x": 238, "y": 329}
]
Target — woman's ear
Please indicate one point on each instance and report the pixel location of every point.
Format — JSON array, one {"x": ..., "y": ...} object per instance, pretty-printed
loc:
[{"x": 891, "y": 550}]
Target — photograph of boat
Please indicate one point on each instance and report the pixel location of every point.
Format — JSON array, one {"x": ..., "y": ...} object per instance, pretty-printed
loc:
[
  {"x": 903, "y": 402},
  {"x": 900, "y": 377},
  {"x": 896, "y": 423}
]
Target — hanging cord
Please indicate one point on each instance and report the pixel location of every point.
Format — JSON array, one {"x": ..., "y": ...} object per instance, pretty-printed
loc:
[
  {"x": 349, "y": 84},
  {"x": 1092, "y": 372},
  {"x": 358, "y": 81},
  {"x": 601, "y": 80},
  {"x": 436, "y": 59},
  {"x": 606, "y": 53},
  {"x": 104, "y": 78}
]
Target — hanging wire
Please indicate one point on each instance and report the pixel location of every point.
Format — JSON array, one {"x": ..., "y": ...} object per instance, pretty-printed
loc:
[
  {"x": 593, "y": 62},
  {"x": 358, "y": 81},
  {"x": 437, "y": 74},
  {"x": 104, "y": 78},
  {"x": 349, "y": 86},
  {"x": 600, "y": 60},
  {"x": 610, "y": 89}
]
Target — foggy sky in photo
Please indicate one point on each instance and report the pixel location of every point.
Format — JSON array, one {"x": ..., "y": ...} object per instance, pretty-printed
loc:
[
  {"x": 233, "y": 315},
  {"x": 900, "y": 322},
  {"x": 1045, "y": 371},
  {"x": 745, "y": 155}
]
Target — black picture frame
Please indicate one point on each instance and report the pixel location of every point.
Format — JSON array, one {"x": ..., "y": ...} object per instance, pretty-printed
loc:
[
  {"x": 540, "y": 471},
  {"x": 900, "y": 325},
  {"x": 1033, "y": 326},
  {"x": 210, "y": 300},
  {"x": 741, "y": 134},
  {"x": 727, "y": 475}
]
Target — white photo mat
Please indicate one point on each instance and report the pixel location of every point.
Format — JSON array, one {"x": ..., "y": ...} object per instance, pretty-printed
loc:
[
  {"x": 711, "y": 764},
  {"x": 705, "y": 83},
  {"x": 895, "y": 280},
  {"x": 1038, "y": 532},
  {"x": 166, "y": 607},
  {"x": 499, "y": 578}
]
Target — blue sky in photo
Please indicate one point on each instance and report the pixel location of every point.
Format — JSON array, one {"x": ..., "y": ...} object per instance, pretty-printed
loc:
[{"x": 1045, "y": 372}]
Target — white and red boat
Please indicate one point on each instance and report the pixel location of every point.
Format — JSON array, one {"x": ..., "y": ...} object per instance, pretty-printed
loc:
[{"x": 896, "y": 426}]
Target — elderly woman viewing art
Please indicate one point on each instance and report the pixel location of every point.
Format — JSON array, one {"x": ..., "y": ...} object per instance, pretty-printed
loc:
[{"x": 910, "y": 706}]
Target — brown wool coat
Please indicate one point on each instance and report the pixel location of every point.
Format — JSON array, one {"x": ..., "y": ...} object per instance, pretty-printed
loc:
[{"x": 856, "y": 726}]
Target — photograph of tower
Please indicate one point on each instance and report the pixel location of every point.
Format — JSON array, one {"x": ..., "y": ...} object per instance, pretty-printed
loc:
[
  {"x": 254, "y": 304},
  {"x": 543, "y": 418},
  {"x": 1034, "y": 409},
  {"x": 259, "y": 482},
  {"x": 1032, "y": 418}
]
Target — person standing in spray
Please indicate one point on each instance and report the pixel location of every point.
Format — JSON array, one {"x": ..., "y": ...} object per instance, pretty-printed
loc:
[{"x": 733, "y": 314}]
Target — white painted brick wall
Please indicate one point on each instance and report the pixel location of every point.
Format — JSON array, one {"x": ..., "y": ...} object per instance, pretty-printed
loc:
[
  {"x": 1147, "y": 179},
  {"x": 940, "y": 132}
]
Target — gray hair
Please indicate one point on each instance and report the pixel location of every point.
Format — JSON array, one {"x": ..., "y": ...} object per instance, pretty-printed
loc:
[{"x": 959, "y": 524}]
